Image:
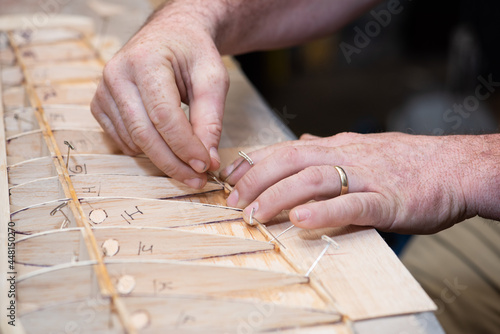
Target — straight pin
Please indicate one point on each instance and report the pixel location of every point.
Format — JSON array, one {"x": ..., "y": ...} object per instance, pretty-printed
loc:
[
  {"x": 279, "y": 235},
  {"x": 330, "y": 242},
  {"x": 244, "y": 156},
  {"x": 70, "y": 147},
  {"x": 59, "y": 209},
  {"x": 212, "y": 175},
  {"x": 251, "y": 223}
]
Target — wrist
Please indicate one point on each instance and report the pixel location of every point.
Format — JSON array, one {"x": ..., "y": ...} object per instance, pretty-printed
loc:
[{"x": 480, "y": 175}]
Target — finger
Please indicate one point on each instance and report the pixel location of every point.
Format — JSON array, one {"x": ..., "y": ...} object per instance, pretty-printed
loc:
[
  {"x": 312, "y": 183},
  {"x": 161, "y": 98},
  {"x": 145, "y": 136},
  {"x": 210, "y": 83},
  {"x": 365, "y": 209},
  {"x": 236, "y": 170},
  {"x": 278, "y": 166},
  {"x": 104, "y": 108},
  {"x": 308, "y": 136}
]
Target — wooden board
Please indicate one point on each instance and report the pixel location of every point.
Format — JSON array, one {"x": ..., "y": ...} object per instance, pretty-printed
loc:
[{"x": 100, "y": 250}]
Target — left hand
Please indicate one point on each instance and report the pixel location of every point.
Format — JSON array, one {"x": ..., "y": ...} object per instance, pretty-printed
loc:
[{"x": 397, "y": 182}]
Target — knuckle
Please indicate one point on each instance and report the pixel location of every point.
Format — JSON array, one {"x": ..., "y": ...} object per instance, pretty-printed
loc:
[
  {"x": 249, "y": 179},
  {"x": 141, "y": 136},
  {"x": 289, "y": 155},
  {"x": 312, "y": 176}
]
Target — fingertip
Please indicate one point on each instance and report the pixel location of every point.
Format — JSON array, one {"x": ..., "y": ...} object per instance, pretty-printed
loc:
[{"x": 214, "y": 159}]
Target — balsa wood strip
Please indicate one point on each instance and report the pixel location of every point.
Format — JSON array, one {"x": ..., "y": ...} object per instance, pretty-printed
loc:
[
  {"x": 364, "y": 275},
  {"x": 103, "y": 185},
  {"x": 38, "y": 168},
  {"x": 138, "y": 212},
  {"x": 31, "y": 145},
  {"x": 51, "y": 53},
  {"x": 11, "y": 76},
  {"x": 23, "y": 22},
  {"x": 13, "y": 98},
  {"x": 131, "y": 244},
  {"x": 153, "y": 278},
  {"x": 63, "y": 71},
  {"x": 80, "y": 93},
  {"x": 44, "y": 36},
  {"x": 195, "y": 315}
]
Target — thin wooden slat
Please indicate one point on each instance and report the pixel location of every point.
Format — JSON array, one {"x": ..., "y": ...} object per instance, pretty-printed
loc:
[
  {"x": 40, "y": 168},
  {"x": 20, "y": 120},
  {"x": 103, "y": 185},
  {"x": 138, "y": 212},
  {"x": 79, "y": 23},
  {"x": 131, "y": 244},
  {"x": 62, "y": 71},
  {"x": 156, "y": 278},
  {"x": 13, "y": 97},
  {"x": 67, "y": 93},
  {"x": 31, "y": 145},
  {"x": 44, "y": 36},
  {"x": 64, "y": 51}
]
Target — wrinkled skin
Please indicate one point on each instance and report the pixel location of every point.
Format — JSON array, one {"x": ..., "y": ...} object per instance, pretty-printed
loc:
[
  {"x": 138, "y": 101},
  {"x": 397, "y": 182}
]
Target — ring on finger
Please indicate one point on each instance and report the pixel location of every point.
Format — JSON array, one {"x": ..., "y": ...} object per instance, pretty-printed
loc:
[{"x": 344, "y": 183}]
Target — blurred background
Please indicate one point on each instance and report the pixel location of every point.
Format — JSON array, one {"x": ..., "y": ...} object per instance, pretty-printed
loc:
[
  {"x": 433, "y": 68},
  {"x": 407, "y": 77}
]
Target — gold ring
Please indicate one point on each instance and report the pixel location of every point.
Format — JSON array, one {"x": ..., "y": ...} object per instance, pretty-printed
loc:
[{"x": 343, "y": 180}]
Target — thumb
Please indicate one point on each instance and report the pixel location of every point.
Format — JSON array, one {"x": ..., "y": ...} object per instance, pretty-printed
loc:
[{"x": 210, "y": 83}]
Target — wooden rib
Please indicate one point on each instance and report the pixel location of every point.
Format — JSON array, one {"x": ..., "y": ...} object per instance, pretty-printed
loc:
[
  {"x": 20, "y": 120},
  {"x": 103, "y": 185},
  {"x": 162, "y": 278},
  {"x": 185, "y": 314},
  {"x": 147, "y": 243},
  {"x": 73, "y": 50},
  {"x": 4, "y": 232},
  {"x": 83, "y": 24},
  {"x": 89, "y": 240},
  {"x": 69, "y": 93},
  {"x": 118, "y": 212},
  {"x": 44, "y": 36},
  {"x": 40, "y": 168},
  {"x": 66, "y": 71},
  {"x": 31, "y": 144}
]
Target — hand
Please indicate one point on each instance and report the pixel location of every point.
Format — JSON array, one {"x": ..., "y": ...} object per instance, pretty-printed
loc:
[
  {"x": 397, "y": 182},
  {"x": 138, "y": 102}
]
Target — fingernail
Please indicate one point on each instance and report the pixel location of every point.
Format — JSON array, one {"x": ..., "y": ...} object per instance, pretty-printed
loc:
[
  {"x": 198, "y": 165},
  {"x": 214, "y": 154},
  {"x": 248, "y": 210},
  {"x": 226, "y": 171},
  {"x": 302, "y": 214},
  {"x": 233, "y": 198},
  {"x": 193, "y": 183}
]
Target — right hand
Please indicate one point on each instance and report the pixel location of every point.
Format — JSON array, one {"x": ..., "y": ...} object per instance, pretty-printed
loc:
[{"x": 173, "y": 58}]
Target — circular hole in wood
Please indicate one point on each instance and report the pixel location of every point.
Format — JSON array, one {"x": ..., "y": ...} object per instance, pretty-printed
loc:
[
  {"x": 140, "y": 319},
  {"x": 125, "y": 284},
  {"x": 110, "y": 247},
  {"x": 97, "y": 216}
]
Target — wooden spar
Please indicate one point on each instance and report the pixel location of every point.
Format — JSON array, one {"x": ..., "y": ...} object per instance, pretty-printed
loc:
[
  {"x": 118, "y": 212},
  {"x": 84, "y": 164},
  {"x": 103, "y": 185}
]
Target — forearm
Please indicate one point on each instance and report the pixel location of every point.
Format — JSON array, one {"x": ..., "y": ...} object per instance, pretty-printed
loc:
[{"x": 239, "y": 26}]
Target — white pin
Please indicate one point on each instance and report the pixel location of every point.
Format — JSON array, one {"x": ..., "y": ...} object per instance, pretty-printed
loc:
[{"x": 330, "y": 242}]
